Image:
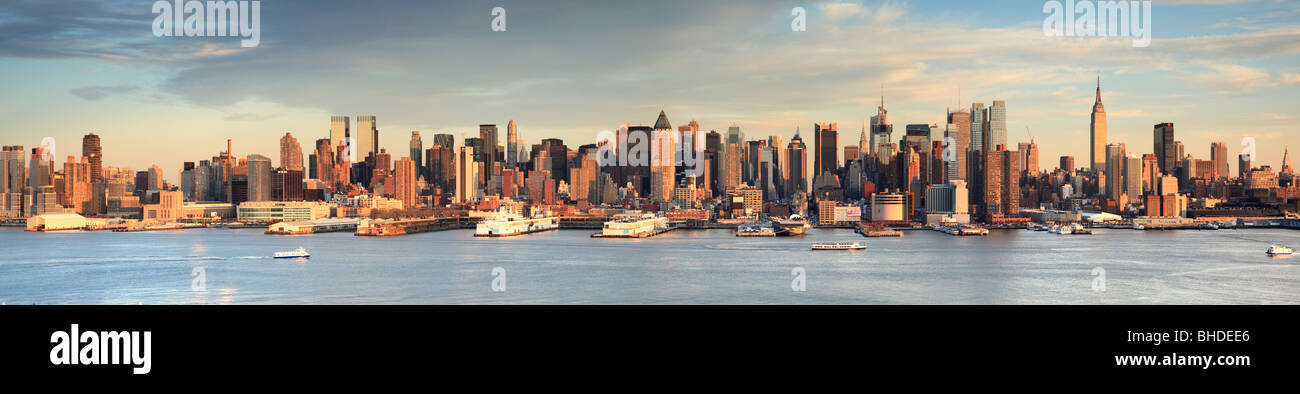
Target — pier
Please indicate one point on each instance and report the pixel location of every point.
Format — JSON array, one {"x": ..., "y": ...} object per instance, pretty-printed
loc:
[
  {"x": 637, "y": 235},
  {"x": 161, "y": 227},
  {"x": 388, "y": 228},
  {"x": 313, "y": 226}
]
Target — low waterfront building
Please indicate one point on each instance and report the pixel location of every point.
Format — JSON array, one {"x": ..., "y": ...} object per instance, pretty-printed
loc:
[
  {"x": 276, "y": 211},
  {"x": 688, "y": 214},
  {"x": 1055, "y": 216},
  {"x": 56, "y": 222},
  {"x": 208, "y": 210},
  {"x": 946, "y": 219},
  {"x": 643, "y": 225},
  {"x": 314, "y": 226}
]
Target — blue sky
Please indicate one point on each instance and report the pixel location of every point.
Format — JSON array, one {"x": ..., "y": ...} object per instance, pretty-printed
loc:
[{"x": 1219, "y": 69}]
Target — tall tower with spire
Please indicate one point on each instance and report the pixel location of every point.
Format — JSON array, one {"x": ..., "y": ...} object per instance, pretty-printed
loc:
[
  {"x": 881, "y": 130},
  {"x": 863, "y": 148},
  {"x": 1286, "y": 161},
  {"x": 512, "y": 144},
  {"x": 1097, "y": 154}
]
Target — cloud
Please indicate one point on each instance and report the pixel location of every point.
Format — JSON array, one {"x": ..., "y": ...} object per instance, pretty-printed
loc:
[
  {"x": 1291, "y": 79},
  {"x": 1233, "y": 78},
  {"x": 93, "y": 93},
  {"x": 247, "y": 117}
]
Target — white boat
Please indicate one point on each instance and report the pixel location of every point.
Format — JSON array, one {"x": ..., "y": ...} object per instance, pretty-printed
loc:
[
  {"x": 838, "y": 246},
  {"x": 505, "y": 225},
  {"x": 1279, "y": 250},
  {"x": 299, "y": 253}
]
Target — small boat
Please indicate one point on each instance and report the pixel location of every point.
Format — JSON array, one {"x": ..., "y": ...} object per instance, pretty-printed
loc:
[
  {"x": 299, "y": 253},
  {"x": 1278, "y": 250},
  {"x": 838, "y": 246}
]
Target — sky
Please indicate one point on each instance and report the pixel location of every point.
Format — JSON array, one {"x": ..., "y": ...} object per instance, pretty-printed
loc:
[{"x": 1220, "y": 70}]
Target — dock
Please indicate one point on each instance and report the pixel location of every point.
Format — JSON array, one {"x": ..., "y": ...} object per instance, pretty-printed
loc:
[
  {"x": 388, "y": 228},
  {"x": 313, "y": 226},
  {"x": 161, "y": 227}
]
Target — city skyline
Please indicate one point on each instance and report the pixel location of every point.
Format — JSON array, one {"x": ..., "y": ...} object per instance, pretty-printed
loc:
[{"x": 187, "y": 96}]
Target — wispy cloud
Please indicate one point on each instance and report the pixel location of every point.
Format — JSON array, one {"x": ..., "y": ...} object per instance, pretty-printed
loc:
[{"x": 93, "y": 93}]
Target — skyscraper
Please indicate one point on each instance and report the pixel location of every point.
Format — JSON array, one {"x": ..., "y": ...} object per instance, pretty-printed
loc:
[
  {"x": 340, "y": 130},
  {"x": 76, "y": 185},
  {"x": 1097, "y": 134},
  {"x": 447, "y": 141},
  {"x": 661, "y": 160},
  {"x": 864, "y": 144},
  {"x": 407, "y": 190},
  {"x": 1115, "y": 154},
  {"x": 417, "y": 152},
  {"x": 1029, "y": 157},
  {"x": 1286, "y": 162},
  {"x": 439, "y": 170},
  {"x": 324, "y": 164},
  {"x": 797, "y": 157},
  {"x": 290, "y": 153},
  {"x": 997, "y": 131},
  {"x": 1165, "y": 148},
  {"x": 259, "y": 178},
  {"x": 979, "y": 116},
  {"x": 1133, "y": 179},
  {"x": 1001, "y": 183},
  {"x": 487, "y": 134},
  {"x": 91, "y": 149},
  {"x": 12, "y": 169},
  {"x": 1243, "y": 165},
  {"x": 881, "y": 132},
  {"x": 367, "y": 137},
  {"x": 512, "y": 145},
  {"x": 1067, "y": 163},
  {"x": 466, "y": 175},
  {"x": 959, "y": 126},
  {"x": 1219, "y": 155},
  {"x": 734, "y": 161},
  {"x": 825, "y": 142},
  {"x": 286, "y": 185}
]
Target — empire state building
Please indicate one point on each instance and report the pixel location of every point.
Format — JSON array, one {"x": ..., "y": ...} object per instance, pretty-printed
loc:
[{"x": 1097, "y": 155}]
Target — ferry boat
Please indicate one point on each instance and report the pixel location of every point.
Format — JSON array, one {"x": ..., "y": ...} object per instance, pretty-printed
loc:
[
  {"x": 299, "y": 253},
  {"x": 794, "y": 225},
  {"x": 509, "y": 225},
  {"x": 838, "y": 246},
  {"x": 1079, "y": 229},
  {"x": 1279, "y": 250}
]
